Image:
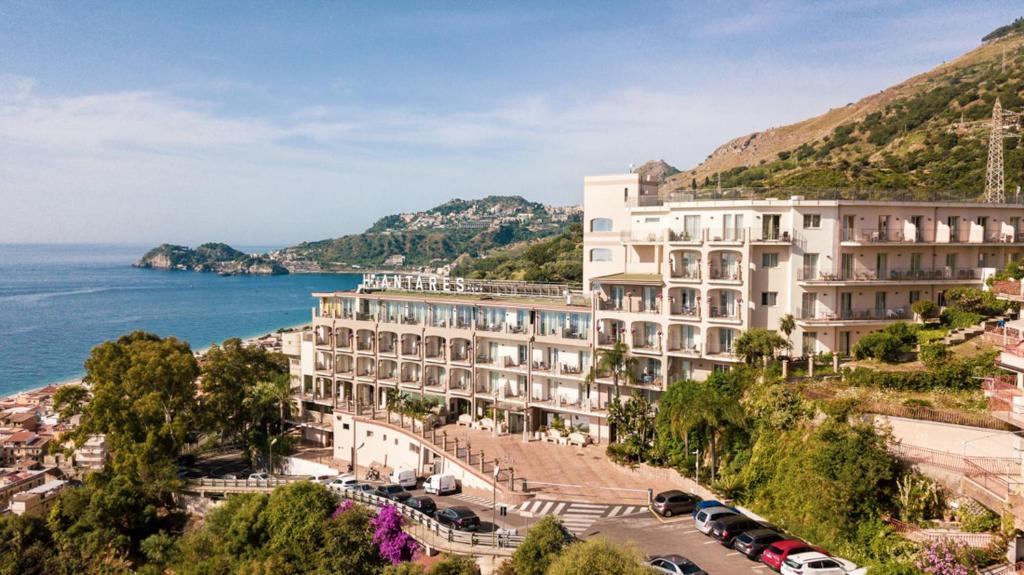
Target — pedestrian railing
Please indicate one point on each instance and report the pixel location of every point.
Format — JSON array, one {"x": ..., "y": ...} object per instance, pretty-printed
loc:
[{"x": 427, "y": 530}]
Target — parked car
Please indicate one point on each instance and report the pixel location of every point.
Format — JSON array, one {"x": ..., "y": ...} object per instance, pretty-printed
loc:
[
  {"x": 322, "y": 479},
  {"x": 777, "y": 552},
  {"x": 404, "y": 477},
  {"x": 366, "y": 488},
  {"x": 753, "y": 543},
  {"x": 710, "y": 503},
  {"x": 394, "y": 492},
  {"x": 461, "y": 518},
  {"x": 440, "y": 485},
  {"x": 423, "y": 504},
  {"x": 707, "y": 516},
  {"x": 725, "y": 529},
  {"x": 229, "y": 476},
  {"x": 674, "y": 502},
  {"x": 261, "y": 476},
  {"x": 814, "y": 563},
  {"x": 343, "y": 482},
  {"x": 675, "y": 565}
]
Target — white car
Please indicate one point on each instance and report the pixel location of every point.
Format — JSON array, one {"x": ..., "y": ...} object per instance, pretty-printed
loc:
[
  {"x": 324, "y": 479},
  {"x": 705, "y": 516},
  {"x": 343, "y": 482},
  {"x": 814, "y": 563},
  {"x": 261, "y": 476}
]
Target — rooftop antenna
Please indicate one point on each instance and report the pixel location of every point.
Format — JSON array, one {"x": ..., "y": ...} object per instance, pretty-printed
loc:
[{"x": 995, "y": 183}]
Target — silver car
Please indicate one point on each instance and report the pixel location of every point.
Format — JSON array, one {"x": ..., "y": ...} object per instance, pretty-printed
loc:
[{"x": 704, "y": 518}]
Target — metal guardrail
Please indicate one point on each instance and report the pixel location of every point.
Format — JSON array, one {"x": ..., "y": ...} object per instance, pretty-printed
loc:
[{"x": 427, "y": 530}]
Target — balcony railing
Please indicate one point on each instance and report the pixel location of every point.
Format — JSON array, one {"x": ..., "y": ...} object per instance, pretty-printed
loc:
[
  {"x": 686, "y": 310},
  {"x": 776, "y": 236},
  {"x": 647, "y": 344},
  {"x": 725, "y": 274},
  {"x": 364, "y": 346},
  {"x": 724, "y": 312},
  {"x": 685, "y": 347},
  {"x": 644, "y": 235},
  {"x": 364, "y": 316},
  {"x": 684, "y": 236},
  {"x": 869, "y": 314},
  {"x": 686, "y": 273},
  {"x": 895, "y": 275}
]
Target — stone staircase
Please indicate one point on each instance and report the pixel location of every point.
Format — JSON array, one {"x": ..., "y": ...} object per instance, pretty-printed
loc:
[{"x": 960, "y": 335}]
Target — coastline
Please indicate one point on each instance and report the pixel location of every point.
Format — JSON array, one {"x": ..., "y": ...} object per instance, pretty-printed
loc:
[{"x": 249, "y": 339}]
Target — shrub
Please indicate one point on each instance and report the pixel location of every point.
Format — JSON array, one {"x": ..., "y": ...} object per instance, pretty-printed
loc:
[
  {"x": 924, "y": 308},
  {"x": 956, "y": 318},
  {"x": 933, "y": 355},
  {"x": 879, "y": 345},
  {"x": 975, "y": 518},
  {"x": 541, "y": 546},
  {"x": 975, "y": 300}
]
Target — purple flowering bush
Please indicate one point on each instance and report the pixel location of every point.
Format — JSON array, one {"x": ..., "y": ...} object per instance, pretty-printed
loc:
[
  {"x": 946, "y": 558},
  {"x": 345, "y": 506},
  {"x": 394, "y": 544}
]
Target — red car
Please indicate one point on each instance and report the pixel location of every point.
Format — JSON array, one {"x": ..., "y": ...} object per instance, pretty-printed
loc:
[{"x": 777, "y": 552}]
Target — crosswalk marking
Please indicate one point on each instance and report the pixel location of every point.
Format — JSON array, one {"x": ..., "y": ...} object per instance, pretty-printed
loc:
[
  {"x": 576, "y": 516},
  {"x": 481, "y": 501}
]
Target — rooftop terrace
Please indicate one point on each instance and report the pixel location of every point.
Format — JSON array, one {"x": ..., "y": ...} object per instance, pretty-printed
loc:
[{"x": 818, "y": 194}]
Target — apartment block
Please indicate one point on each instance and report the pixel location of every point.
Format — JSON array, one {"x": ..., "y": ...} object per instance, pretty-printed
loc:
[{"x": 679, "y": 278}]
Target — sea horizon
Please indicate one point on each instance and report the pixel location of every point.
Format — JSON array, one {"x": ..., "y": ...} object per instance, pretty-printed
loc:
[{"x": 59, "y": 300}]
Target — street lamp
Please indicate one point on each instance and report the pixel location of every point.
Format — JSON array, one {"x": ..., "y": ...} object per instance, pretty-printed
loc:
[
  {"x": 273, "y": 442},
  {"x": 494, "y": 504},
  {"x": 696, "y": 465}
]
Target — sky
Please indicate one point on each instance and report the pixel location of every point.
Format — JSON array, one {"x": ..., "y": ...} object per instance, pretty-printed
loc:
[{"x": 271, "y": 123}]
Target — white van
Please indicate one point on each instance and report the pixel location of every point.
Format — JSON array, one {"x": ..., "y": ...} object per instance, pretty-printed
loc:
[
  {"x": 440, "y": 485},
  {"x": 404, "y": 477}
]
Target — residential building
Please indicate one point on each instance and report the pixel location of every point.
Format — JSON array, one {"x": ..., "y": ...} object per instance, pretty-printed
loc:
[
  {"x": 679, "y": 278},
  {"x": 92, "y": 455},
  {"x": 38, "y": 500}
]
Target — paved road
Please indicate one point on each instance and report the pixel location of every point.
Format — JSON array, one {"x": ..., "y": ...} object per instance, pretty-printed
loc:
[
  {"x": 576, "y": 516},
  {"x": 658, "y": 536}
]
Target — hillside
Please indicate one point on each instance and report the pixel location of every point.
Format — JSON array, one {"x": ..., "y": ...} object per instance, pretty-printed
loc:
[
  {"x": 212, "y": 257},
  {"x": 436, "y": 237},
  {"x": 556, "y": 259},
  {"x": 929, "y": 132},
  {"x": 428, "y": 240}
]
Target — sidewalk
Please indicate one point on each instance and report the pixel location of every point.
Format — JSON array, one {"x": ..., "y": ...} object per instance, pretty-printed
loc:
[{"x": 572, "y": 473}]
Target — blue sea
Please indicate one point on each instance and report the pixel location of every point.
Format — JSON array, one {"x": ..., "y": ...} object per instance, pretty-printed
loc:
[{"x": 58, "y": 301}]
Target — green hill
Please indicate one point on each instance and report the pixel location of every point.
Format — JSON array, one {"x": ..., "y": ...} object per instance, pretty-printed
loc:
[
  {"x": 927, "y": 133},
  {"x": 557, "y": 259}
]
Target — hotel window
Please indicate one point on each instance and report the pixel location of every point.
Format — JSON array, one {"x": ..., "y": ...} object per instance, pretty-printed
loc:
[
  {"x": 770, "y": 260},
  {"x": 915, "y": 295},
  {"x": 812, "y": 221},
  {"x": 600, "y": 255},
  {"x": 652, "y": 220},
  {"x": 844, "y": 342},
  {"x": 769, "y": 298},
  {"x": 600, "y": 225},
  {"x": 809, "y": 343}
]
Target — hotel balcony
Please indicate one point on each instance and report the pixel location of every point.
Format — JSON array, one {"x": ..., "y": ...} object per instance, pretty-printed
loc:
[
  {"x": 322, "y": 336},
  {"x": 411, "y": 373},
  {"x": 509, "y": 362},
  {"x": 343, "y": 338},
  {"x": 969, "y": 233},
  {"x": 410, "y": 345},
  {"x": 485, "y": 359},
  {"x": 631, "y": 305},
  {"x": 388, "y": 341},
  {"x": 908, "y": 275},
  {"x": 435, "y": 348},
  {"x": 771, "y": 235},
  {"x": 726, "y": 312},
  {"x": 364, "y": 367},
  {"x": 435, "y": 378},
  {"x": 491, "y": 327},
  {"x": 644, "y": 236},
  {"x": 364, "y": 340},
  {"x": 695, "y": 237},
  {"x": 483, "y": 386},
  {"x": 872, "y": 315},
  {"x": 460, "y": 381},
  {"x": 686, "y": 347},
  {"x": 365, "y": 316},
  {"x": 510, "y": 391},
  {"x": 343, "y": 364},
  {"x": 461, "y": 350}
]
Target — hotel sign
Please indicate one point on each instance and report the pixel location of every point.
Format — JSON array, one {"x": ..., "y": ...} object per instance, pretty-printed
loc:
[{"x": 430, "y": 283}]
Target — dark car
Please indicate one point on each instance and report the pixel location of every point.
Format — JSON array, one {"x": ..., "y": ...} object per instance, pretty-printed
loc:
[
  {"x": 394, "y": 492},
  {"x": 423, "y": 504},
  {"x": 753, "y": 543},
  {"x": 727, "y": 528},
  {"x": 675, "y": 502},
  {"x": 675, "y": 565},
  {"x": 709, "y": 503},
  {"x": 461, "y": 518}
]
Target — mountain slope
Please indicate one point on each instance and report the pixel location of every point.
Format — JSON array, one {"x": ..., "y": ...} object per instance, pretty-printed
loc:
[
  {"x": 556, "y": 259},
  {"x": 929, "y": 132}
]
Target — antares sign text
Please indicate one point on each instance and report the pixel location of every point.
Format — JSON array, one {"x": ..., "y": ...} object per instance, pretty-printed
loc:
[{"x": 417, "y": 282}]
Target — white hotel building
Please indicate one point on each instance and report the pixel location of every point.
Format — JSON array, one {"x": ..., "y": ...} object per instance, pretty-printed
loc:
[{"x": 676, "y": 279}]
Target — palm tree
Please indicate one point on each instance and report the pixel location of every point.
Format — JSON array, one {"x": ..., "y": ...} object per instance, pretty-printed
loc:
[
  {"x": 693, "y": 406},
  {"x": 759, "y": 343},
  {"x": 617, "y": 361},
  {"x": 281, "y": 391},
  {"x": 787, "y": 325}
]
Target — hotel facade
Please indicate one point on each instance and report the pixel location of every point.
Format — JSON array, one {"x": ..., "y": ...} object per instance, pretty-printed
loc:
[{"x": 674, "y": 278}]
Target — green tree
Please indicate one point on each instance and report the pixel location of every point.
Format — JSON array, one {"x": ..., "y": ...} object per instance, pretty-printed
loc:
[
  {"x": 455, "y": 565},
  {"x": 710, "y": 407},
  {"x": 347, "y": 545},
  {"x": 787, "y": 325},
  {"x": 25, "y": 545},
  {"x": 295, "y": 516},
  {"x": 70, "y": 400},
  {"x": 759, "y": 344},
  {"x": 541, "y": 546},
  {"x": 231, "y": 373},
  {"x": 617, "y": 362},
  {"x": 599, "y": 556}
]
